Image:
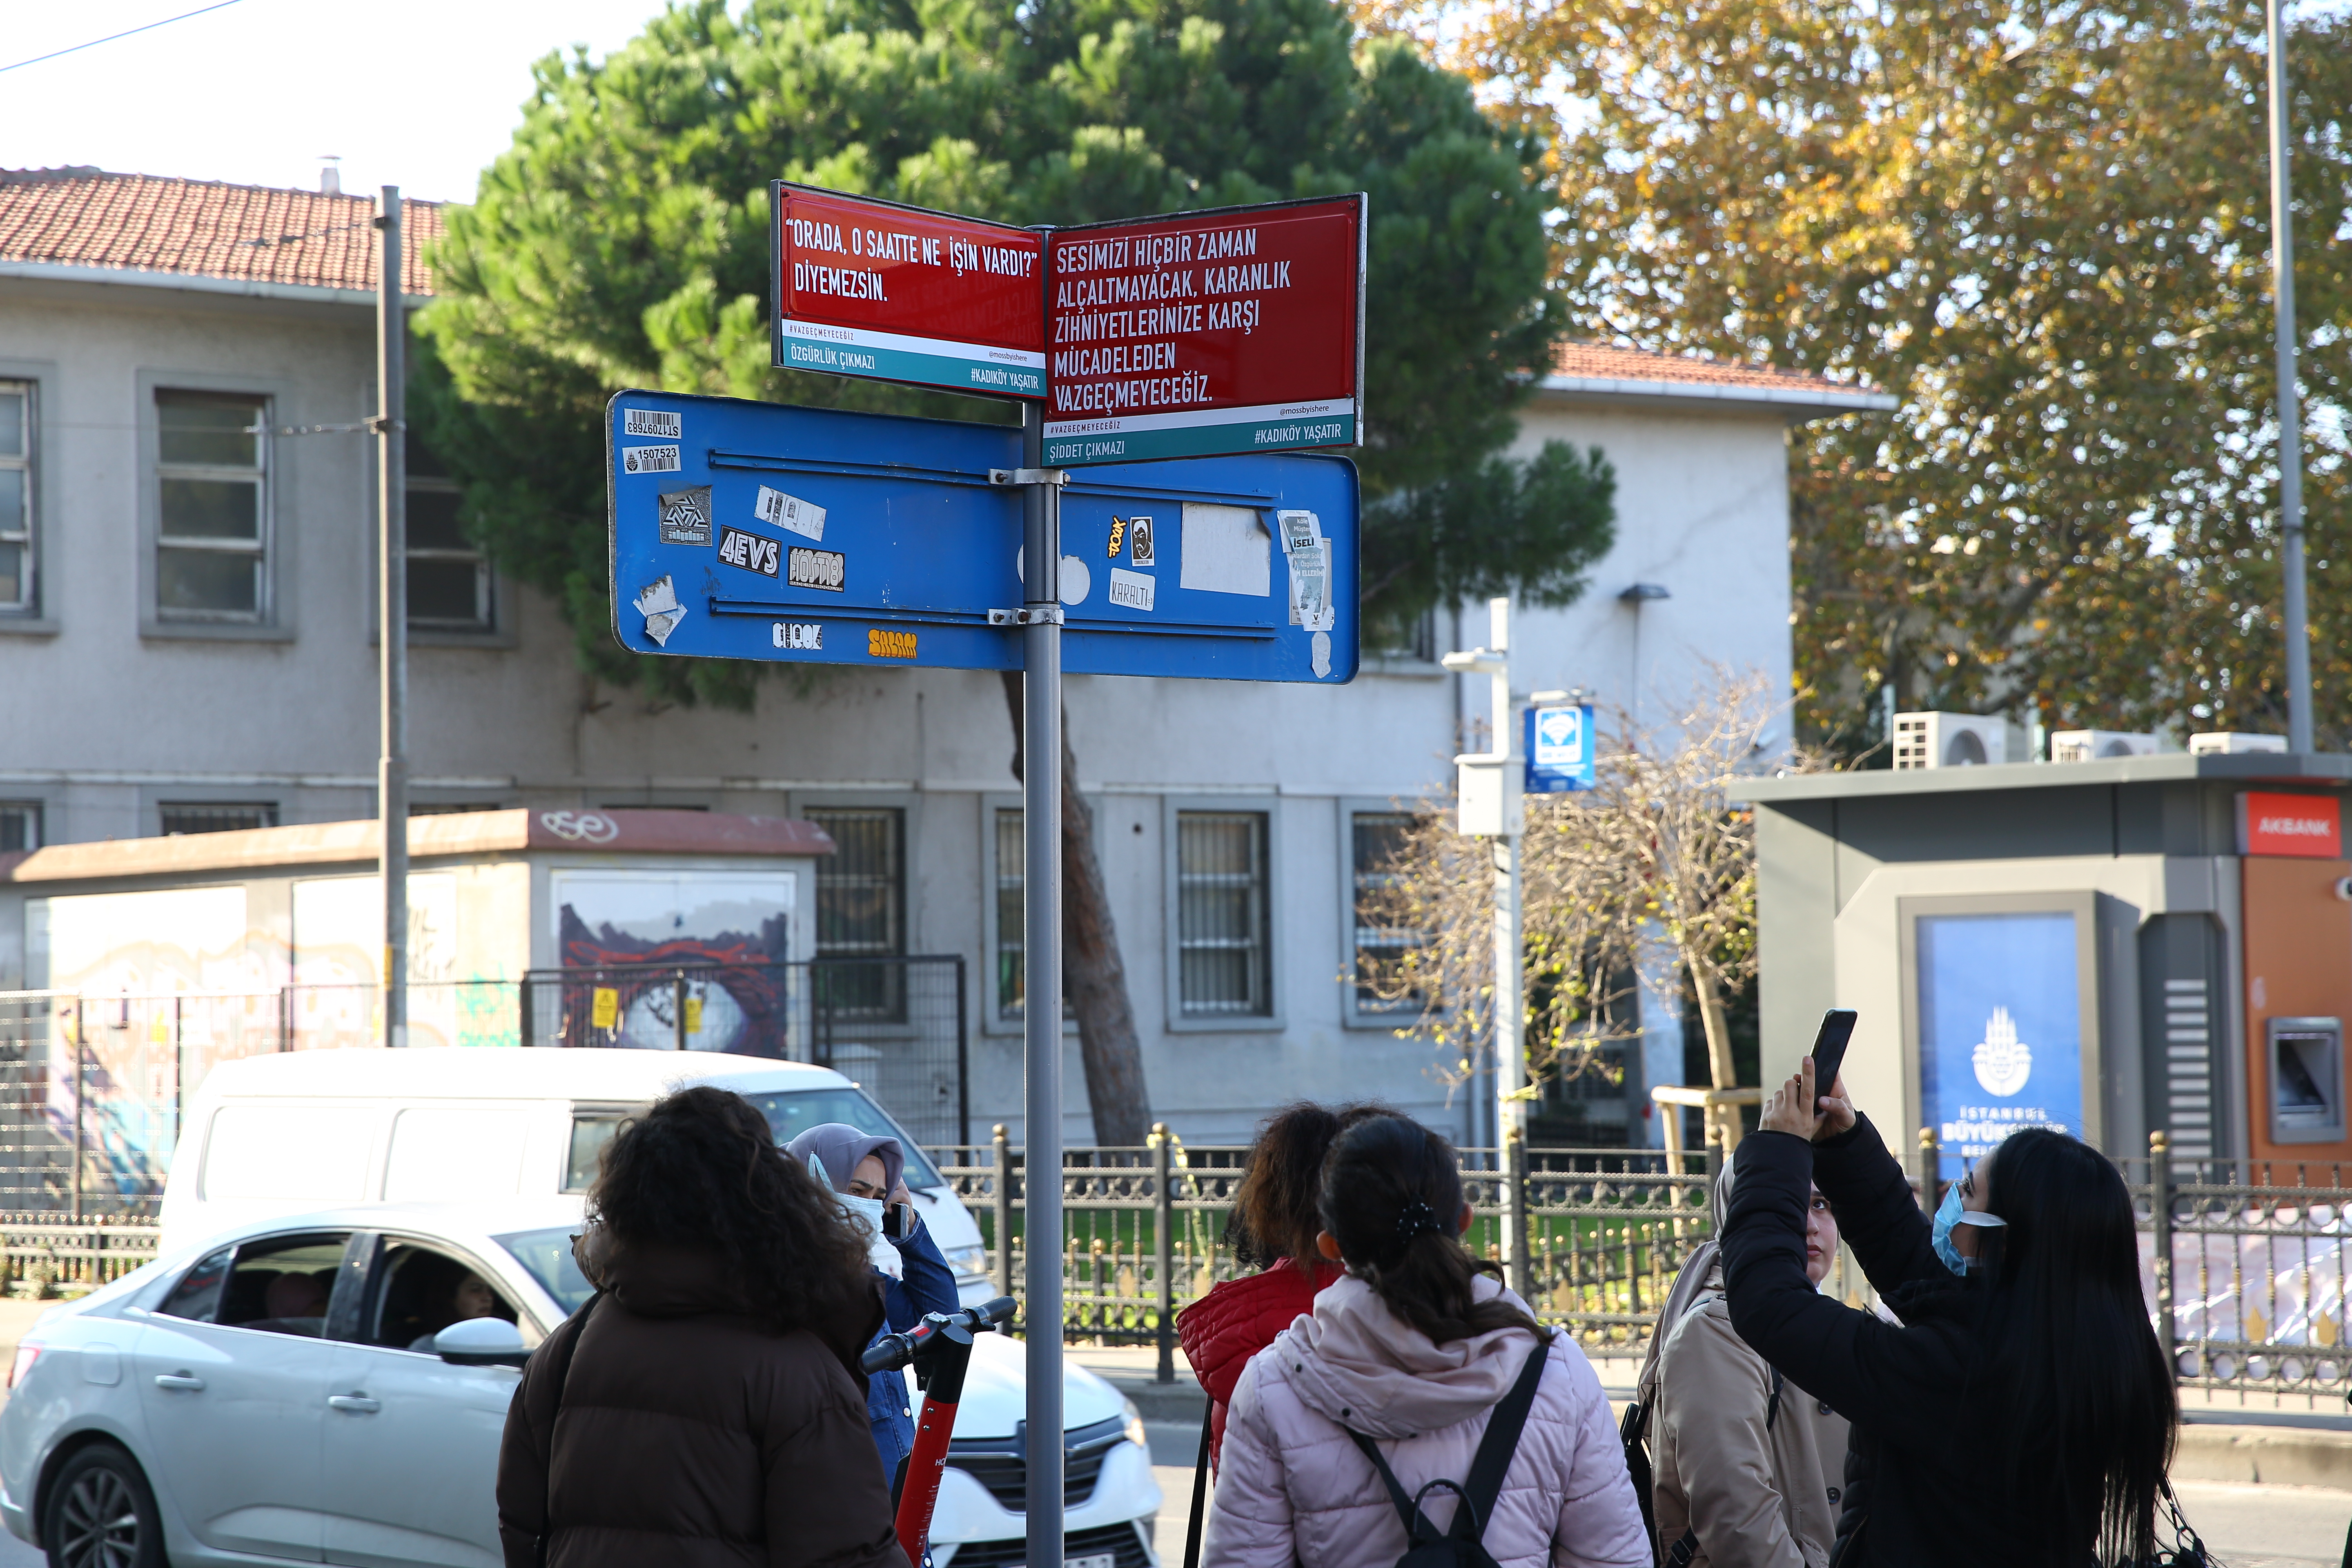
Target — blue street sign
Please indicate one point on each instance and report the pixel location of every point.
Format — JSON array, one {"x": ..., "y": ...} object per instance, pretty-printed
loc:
[
  {"x": 814, "y": 536},
  {"x": 1560, "y": 742}
]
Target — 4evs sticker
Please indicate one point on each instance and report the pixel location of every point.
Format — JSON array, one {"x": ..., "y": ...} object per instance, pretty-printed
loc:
[
  {"x": 898, "y": 293},
  {"x": 749, "y": 551}
]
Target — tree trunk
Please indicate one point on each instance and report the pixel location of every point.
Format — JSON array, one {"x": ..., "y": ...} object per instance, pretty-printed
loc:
[
  {"x": 1092, "y": 972},
  {"x": 1719, "y": 1048}
]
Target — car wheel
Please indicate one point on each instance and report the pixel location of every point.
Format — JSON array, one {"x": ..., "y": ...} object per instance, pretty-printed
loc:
[{"x": 103, "y": 1514}]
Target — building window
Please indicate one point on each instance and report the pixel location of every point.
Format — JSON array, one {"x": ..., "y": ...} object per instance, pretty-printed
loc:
[
  {"x": 215, "y": 816},
  {"x": 449, "y": 580},
  {"x": 16, "y": 496},
  {"x": 1011, "y": 873},
  {"x": 861, "y": 910},
  {"x": 212, "y": 540},
  {"x": 20, "y": 825},
  {"x": 1376, "y": 839},
  {"x": 1222, "y": 954},
  {"x": 450, "y": 807}
]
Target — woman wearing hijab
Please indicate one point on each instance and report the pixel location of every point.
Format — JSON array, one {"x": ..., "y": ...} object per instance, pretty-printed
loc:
[{"x": 868, "y": 1174}]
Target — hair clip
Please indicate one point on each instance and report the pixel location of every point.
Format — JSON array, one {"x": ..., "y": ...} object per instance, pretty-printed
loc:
[{"x": 1417, "y": 1219}]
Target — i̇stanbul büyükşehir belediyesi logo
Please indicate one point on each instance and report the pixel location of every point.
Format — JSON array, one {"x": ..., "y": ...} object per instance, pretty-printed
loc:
[{"x": 2004, "y": 1062}]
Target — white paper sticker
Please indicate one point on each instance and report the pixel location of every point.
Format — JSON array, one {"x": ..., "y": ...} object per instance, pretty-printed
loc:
[
  {"x": 651, "y": 422},
  {"x": 781, "y": 510},
  {"x": 657, "y": 602},
  {"x": 649, "y": 460},
  {"x": 1225, "y": 551},
  {"x": 1309, "y": 558},
  {"x": 1132, "y": 589},
  {"x": 1319, "y": 650}
]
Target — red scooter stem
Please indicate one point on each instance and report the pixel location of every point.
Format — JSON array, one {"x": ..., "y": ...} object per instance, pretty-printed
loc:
[
  {"x": 926, "y": 1468},
  {"x": 940, "y": 1349}
]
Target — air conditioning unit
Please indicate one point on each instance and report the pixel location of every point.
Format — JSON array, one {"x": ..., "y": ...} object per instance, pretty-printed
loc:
[
  {"x": 2232, "y": 744},
  {"x": 2097, "y": 745},
  {"x": 1950, "y": 739}
]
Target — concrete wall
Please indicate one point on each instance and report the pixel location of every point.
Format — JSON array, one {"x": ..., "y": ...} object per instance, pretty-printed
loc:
[{"x": 107, "y": 718}]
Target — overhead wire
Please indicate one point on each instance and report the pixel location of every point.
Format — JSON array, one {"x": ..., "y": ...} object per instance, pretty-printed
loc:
[{"x": 149, "y": 28}]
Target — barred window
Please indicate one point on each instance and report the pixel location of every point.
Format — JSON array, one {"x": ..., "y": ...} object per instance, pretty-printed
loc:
[
  {"x": 1224, "y": 956},
  {"x": 16, "y": 574},
  {"x": 1377, "y": 839},
  {"x": 1011, "y": 873},
  {"x": 215, "y": 816},
  {"x": 861, "y": 909},
  {"x": 211, "y": 540},
  {"x": 20, "y": 825}
]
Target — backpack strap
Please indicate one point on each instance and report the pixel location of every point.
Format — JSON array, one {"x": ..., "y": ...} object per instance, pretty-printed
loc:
[
  {"x": 1417, "y": 1527},
  {"x": 563, "y": 1356},
  {"x": 1199, "y": 1489},
  {"x": 1500, "y": 1443}
]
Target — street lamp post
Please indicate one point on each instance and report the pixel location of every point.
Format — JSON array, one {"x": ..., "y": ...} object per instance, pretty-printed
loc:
[{"x": 2294, "y": 611}]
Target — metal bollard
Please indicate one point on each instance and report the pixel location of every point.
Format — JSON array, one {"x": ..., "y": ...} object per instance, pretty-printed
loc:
[
  {"x": 1163, "y": 1219},
  {"x": 2160, "y": 1192},
  {"x": 1005, "y": 1274}
]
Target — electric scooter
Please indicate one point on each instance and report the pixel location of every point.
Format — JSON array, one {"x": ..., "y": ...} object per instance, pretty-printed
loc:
[{"x": 940, "y": 1347}]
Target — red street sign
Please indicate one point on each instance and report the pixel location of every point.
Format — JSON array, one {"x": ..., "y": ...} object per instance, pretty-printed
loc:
[
  {"x": 872, "y": 289},
  {"x": 1239, "y": 330},
  {"x": 2308, "y": 826}
]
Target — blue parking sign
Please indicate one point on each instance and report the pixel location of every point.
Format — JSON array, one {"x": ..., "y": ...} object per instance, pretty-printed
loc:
[{"x": 1560, "y": 742}]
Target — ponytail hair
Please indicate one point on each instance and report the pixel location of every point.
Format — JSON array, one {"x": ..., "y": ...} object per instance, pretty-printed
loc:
[{"x": 1392, "y": 1199}]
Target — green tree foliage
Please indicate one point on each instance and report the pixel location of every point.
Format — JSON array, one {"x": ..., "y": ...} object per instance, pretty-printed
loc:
[
  {"x": 2045, "y": 228},
  {"x": 623, "y": 240}
]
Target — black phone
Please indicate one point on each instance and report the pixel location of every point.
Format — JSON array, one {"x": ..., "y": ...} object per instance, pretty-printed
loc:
[{"x": 1829, "y": 1047}]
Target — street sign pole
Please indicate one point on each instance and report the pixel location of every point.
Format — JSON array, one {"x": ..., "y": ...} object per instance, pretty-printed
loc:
[
  {"x": 1041, "y": 937},
  {"x": 391, "y": 766}
]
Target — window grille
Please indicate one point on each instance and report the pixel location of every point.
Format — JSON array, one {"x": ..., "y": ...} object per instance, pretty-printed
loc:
[
  {"x": 861, "y": 904},
  {"x": 211, "y": 534},
  {"x": 17, "y": 574},
  {"x": 215, "y": 816},
  {"x": 1011, "y": 872},
  {"x": 1378, "y": 838},
  {"x": 20, "y": 825},
  {"x": 449, "y": 580},
  {"x": 1221, "y": 947}
]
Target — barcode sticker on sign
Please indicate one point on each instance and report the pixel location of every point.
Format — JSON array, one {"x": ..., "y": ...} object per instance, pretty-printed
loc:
[
  {"x": 649, "y": 460},
  {"x": 651, "y": 422}
]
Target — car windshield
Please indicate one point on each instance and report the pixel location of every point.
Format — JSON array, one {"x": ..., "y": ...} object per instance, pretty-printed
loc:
[
  {"x": 546, "y": 1255},
  {"x": 794, "y": 1112}
]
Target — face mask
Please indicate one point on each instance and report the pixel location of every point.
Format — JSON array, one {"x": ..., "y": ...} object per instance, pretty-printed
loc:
[
  {"x": 867, "y": 1215},
  {"x": 1950, "y": 1214}
]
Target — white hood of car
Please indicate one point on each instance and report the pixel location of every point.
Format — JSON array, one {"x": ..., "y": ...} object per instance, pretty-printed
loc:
[{"x": 995, "y": 1392}]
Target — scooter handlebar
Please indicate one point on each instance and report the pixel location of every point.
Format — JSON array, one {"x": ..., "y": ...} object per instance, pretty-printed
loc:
[{"x": 892, "y": 1351}]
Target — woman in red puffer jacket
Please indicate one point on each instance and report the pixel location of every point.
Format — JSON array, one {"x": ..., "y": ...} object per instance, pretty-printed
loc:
[{"x": 1273, "y": 1230}]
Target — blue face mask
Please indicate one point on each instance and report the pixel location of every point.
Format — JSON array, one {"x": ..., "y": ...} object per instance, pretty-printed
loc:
[{"x": 1952, "y": 1214}]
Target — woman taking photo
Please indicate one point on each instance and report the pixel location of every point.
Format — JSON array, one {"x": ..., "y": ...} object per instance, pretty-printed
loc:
[
  {"x": 2022, "y": 1413},
  {"x": 1272, "y": 1231},
  {"x": 1396, "y": 1376},
  {"x": 705, "y": 1406}
]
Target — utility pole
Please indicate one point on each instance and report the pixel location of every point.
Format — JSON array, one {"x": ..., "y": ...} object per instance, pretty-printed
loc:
[
  {"x": 2296, "y": 615},
  {"x": 392, "y": 612},
  {"x": 1489, "y": 793}
]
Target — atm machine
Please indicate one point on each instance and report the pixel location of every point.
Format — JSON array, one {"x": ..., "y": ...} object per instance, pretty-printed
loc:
[{"x": 2306, "y": 1060}]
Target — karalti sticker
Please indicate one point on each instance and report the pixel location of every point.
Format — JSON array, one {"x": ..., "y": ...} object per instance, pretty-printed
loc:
[
  {"x": 652, "y": 421},
  {"x": 815, "y": 569},
  {"x": 1131, "y": 589},
  {"x": 1138, "y": 540},
  {"x": 657, "y": 602},
  {"x": 1309, "y": 556},
  {"x": 777, "y": 509},
  {"x": 800, "y": 636},
  {"x": 686, "y": 516},
  {"x": 748, "y": 550},
  {"x": 649, "y": 460}
]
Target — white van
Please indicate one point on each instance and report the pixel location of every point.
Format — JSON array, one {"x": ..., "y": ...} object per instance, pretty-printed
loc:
[{"x": 308, "y": 1130}]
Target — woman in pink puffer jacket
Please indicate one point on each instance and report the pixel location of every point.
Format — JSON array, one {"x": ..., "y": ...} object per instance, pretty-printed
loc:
[{"x": 1412, "y": 1347}]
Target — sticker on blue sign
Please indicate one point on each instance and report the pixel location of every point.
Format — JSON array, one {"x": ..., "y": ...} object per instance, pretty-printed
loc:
[
  {"x": 1560, "y": 749},
  {"x": 777, "y": 509},
  {"x": 686, "y": 516},
  {"x": 649, "y": 460},
  {"x": 1132, "y": 590},
  {"x": 800, "y": 636},
  {"x": 654, "y": 422},
  {"x": 817, "y": 569},
  {"x": 749, "y": 551}
]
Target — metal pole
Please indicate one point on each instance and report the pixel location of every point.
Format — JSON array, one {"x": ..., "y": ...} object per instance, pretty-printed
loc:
[
  {"x": 1510, "y": 1007},
  {"x": 2298, "y": 629},
  {"x": 392, "y": 614},
  {"x": 1003, "y": 1213},
  {"x": 1163, "y": 1216},
  {"x": 2159, "y": 1206},
  {"x": 1041, "y": 938},
  {"x": 678, "y": 999}
]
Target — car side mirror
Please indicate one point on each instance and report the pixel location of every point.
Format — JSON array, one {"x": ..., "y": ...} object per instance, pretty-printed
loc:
[{"x": 481, "y": 1342}]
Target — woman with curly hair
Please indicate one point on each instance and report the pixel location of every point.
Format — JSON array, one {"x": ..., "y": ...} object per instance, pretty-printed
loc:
[{"x": 705, "y": 1407}]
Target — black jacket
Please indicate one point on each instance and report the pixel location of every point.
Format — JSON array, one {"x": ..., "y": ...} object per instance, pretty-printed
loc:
[{"x": 1923, "y": 1486}]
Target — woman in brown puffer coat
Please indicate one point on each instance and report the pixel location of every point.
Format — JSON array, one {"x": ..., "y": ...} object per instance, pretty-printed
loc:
[{"x": 711, "y": 1411}]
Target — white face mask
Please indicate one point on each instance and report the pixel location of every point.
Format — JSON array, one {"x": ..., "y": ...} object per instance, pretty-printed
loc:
[{"x": 867, "y": 1214}]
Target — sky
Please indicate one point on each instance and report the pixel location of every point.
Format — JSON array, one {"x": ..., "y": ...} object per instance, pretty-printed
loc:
[{"x": 421, "y": 94}]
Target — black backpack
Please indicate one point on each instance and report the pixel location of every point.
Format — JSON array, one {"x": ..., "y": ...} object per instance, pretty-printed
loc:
[{"x": 1460, "y": 1545}]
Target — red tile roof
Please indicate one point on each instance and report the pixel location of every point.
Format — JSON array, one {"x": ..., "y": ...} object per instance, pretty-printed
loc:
[
  {"x": 85, "y": 217},
  {"x": 1603, "y": 362}
]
